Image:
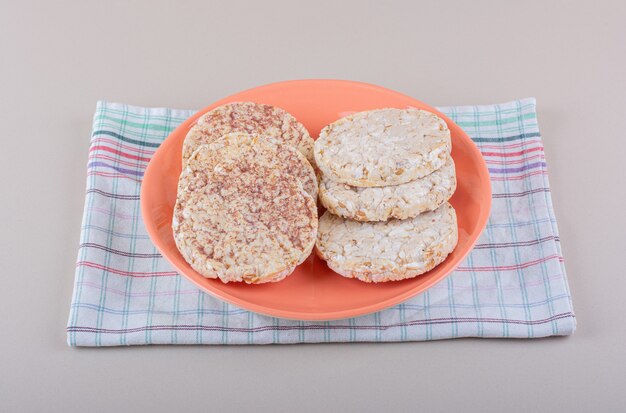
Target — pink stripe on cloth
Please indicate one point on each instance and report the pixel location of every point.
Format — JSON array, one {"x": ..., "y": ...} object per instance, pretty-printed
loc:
[{"x": 126, "y": 273}]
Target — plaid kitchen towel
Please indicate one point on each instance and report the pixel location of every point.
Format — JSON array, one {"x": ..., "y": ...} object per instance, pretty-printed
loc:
[{"x": 513, "y": 284}]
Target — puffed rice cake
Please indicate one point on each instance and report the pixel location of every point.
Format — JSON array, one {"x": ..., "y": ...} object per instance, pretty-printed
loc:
[
  {"x": 383, "y": 147},
  {"x": 270, "y": 152},
  {"x": 250, "y": 117},
  {"x": 242, "y": 220},
  {"x": 387, "y": 251},
  {"x": 396, "y": 201}
]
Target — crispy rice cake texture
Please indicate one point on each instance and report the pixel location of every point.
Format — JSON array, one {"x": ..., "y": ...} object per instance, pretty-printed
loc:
[
  {"x": 396, "y": 201},
  {"x": 387, "y": 251},
  {"x": 382, "y": 147},
  {"x": 270, "y": 152},
  {"x": 242, "y": 219},
  {"x": 252, "y": 118}
]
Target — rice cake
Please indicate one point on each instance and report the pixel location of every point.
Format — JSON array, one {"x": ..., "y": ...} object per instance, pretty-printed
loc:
[
  {"x": 383, "y": 147},
  {"x": 270, "y": 152},
  {"x": 387, "y": 251},
  {"x": 397, "y": 201},
  {"x": 242, "y": 220},
  {"x": 250, "y": 117}
]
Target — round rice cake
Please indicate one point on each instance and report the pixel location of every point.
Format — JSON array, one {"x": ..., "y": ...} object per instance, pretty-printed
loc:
[
  {"x": 387, "y": 251},
  {"x": 250, "y": 117},
  {"x": 269, "y": 152},
  {"x": 397, "y": 201},
  {"x": 383, "y": 147},
  {"x": 242, "y": 220}
]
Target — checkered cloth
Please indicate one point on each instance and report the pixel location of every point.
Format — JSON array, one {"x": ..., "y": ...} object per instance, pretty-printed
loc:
[{"x": 513, "y": 283}]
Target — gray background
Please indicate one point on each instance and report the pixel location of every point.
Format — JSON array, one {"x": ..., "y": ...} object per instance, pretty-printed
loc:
[{"x": 58, "y": 58}]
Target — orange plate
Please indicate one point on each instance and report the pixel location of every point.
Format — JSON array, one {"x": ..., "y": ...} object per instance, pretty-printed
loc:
[{"x": 313, "y": 291}]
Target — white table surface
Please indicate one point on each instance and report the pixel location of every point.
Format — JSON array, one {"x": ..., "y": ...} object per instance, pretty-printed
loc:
[{"x": 59, "y": 58}]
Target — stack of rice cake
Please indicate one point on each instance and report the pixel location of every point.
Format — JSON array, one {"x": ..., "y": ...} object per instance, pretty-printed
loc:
[
  {"x": 386, "y": 177},
  {"x": 246, "y": 204}
]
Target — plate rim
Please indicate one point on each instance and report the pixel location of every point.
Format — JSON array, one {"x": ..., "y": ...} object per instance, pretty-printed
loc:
[{"x": 316, "y": 315}]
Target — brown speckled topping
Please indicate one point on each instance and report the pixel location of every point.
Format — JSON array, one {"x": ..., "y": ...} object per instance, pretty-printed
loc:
[
  {"x": 249, "y": 117},
  {"x": 266, "y": 151},
  {"x": 241, "y": 220}
]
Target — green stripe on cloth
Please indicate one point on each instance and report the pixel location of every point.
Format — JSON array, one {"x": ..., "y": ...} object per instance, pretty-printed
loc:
[{"x": 127, "y": 123}]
